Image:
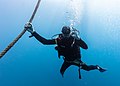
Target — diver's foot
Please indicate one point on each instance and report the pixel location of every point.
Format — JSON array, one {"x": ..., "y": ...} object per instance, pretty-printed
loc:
[{"x": 101, "y": 69}]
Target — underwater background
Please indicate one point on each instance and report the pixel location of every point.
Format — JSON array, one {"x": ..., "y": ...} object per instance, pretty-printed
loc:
[{"x": 30, "y": 63}]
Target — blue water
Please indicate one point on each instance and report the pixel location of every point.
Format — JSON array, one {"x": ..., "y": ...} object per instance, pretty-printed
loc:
[{"x": 29, "y": 63}]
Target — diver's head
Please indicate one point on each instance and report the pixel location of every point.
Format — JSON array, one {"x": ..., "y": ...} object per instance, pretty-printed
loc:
[{"x": 66, "y": 31}]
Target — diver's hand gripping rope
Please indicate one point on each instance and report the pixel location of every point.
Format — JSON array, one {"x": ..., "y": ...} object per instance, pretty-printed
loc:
[{"x": 21, "y": 34}]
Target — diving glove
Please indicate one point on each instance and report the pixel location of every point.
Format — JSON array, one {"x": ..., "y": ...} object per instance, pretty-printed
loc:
[{"x": 29, "y": 27}]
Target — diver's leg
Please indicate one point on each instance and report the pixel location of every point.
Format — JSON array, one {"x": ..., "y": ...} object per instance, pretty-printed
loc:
[
  {"x": 88, "y": 68},
  {"x": 65, "y": 65},
  {"x": 92, "y": 67}
]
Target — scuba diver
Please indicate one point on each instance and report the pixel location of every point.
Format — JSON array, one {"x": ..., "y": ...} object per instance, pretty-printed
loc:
[{"x": 68, "y": 46}]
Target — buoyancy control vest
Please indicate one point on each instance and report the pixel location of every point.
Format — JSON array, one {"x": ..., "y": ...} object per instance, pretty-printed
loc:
[{"x": 67, "y": 47}]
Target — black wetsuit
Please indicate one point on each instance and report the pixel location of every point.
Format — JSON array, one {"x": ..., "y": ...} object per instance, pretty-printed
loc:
[{"x": 69, "y": 48}]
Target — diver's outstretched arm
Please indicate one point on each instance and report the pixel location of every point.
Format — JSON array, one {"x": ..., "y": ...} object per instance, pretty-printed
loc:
[{"x": 43, "y": 40}]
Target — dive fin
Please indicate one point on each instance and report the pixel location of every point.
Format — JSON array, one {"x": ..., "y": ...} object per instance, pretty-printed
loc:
[{"x": 101, "y": 69}]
